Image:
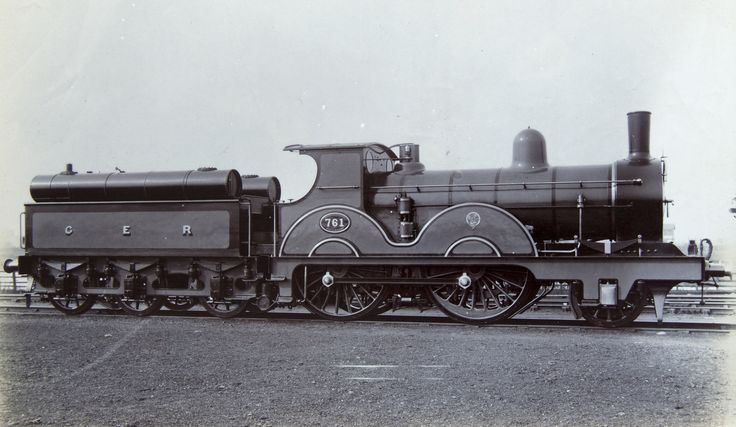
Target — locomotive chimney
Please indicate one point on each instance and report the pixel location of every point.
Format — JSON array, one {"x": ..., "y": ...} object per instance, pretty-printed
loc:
[{"x": 639, "y": 136}]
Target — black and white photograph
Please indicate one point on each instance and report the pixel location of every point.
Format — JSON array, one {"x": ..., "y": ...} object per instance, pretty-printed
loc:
[{"x": 367, "y": 213}]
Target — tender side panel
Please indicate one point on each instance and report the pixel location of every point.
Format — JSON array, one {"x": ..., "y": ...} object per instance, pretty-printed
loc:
[{"x": 183, "y": 228}]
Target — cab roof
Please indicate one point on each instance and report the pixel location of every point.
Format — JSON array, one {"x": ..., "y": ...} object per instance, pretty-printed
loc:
[{"x": 301, "y": 147}]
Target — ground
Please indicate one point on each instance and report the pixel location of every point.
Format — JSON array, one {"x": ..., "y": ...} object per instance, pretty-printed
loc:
[{"x": 115, "y": 370}]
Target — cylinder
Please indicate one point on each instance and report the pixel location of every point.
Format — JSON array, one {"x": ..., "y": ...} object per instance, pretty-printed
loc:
[
  {"x": 179, "y": 185},
  {"x": 639, "y": 123}
]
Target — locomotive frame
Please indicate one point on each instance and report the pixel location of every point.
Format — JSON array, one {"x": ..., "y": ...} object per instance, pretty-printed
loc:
[{"x": 375, "y": 230}]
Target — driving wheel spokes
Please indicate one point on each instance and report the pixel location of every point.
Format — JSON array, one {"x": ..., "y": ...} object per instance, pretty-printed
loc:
[
  {"x": 332, "y": 295},
  {"x": 482, "y": 295},
  {"x": 622, "y": 314},
  {"x": 223, "y": 308},
  {"x": 143, "y": 305},
  {"x": 72, "y": 304}
]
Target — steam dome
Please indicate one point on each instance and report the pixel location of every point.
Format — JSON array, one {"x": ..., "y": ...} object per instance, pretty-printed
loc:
[{"x": 530, "y": 151}]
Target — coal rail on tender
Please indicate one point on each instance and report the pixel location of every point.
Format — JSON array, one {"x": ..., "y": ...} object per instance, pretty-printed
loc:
[{"x": 377, "y": 227}]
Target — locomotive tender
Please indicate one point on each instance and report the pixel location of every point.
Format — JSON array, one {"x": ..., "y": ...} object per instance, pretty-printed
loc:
[{"x": 376, "y": 230}]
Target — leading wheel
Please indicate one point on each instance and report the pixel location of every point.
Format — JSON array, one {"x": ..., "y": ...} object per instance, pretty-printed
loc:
[
  {"x": 72, "y": 304},
  {"x": 223, "y": 308},
  {"x": 481, "y": 295},
  {"x": 140, "y": 306},
  {"x": 623, "y": 314},
  {"x": 330, "y": 293}
]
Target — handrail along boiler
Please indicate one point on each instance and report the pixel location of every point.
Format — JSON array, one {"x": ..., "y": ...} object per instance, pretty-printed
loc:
[{"x": 376, "y": 230}]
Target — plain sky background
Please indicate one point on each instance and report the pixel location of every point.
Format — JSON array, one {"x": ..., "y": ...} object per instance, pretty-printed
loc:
[{"x": 177, "y": 85}]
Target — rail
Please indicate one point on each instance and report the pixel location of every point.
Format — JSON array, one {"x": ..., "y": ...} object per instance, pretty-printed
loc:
[
  {"x": 14, "y": 283},
  {"x": 556, "y": 321}
]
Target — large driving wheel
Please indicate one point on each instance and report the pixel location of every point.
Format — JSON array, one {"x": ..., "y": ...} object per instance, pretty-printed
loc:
[
  {"x": 331, "y": 295},
  {"x": 481, "y": 295},
  {"x": 72, "y": 304},
  {"x": 223, "y": 308},
  {"x": 140, "y": 306},
  {"x": 623, "y": 314}
]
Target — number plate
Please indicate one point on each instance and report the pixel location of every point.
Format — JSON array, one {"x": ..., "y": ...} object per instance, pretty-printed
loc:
[{"x": 334, "y": 222}]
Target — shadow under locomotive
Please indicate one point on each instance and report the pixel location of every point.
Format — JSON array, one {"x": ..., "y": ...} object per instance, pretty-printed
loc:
[{"x": 375, "y": 229}]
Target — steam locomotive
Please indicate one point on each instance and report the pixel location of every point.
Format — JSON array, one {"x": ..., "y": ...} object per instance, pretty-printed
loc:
[{"x": 376, "y": 231}]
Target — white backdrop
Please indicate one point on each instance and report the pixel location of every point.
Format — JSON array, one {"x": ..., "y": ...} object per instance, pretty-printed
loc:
[{"x": 156, "y": 86}]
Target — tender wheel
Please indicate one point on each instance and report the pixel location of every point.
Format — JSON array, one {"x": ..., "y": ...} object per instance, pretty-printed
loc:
[
  {"x": 330, "y": 294},
  {"x": 622, "y": 314},
  {"x": 479, "y": 296},
  {"x": 143, "y": 306},
  {"x": 109, "y": 302},
  {"x": 179, "y": 303},
  {"x": 223, "y": 308},
  {"x": 251, "y": 306},
  {"x": 73, "y": 304},
  {"x": 268, "y": 295}
]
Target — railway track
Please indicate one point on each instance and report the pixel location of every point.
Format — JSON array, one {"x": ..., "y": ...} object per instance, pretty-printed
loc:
[
  {"x": 685, "y": 299},
  {"x": 721, "y": 297},
  {"x": 16, "y": 304},
  {"x": 721, "y": 304}
]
